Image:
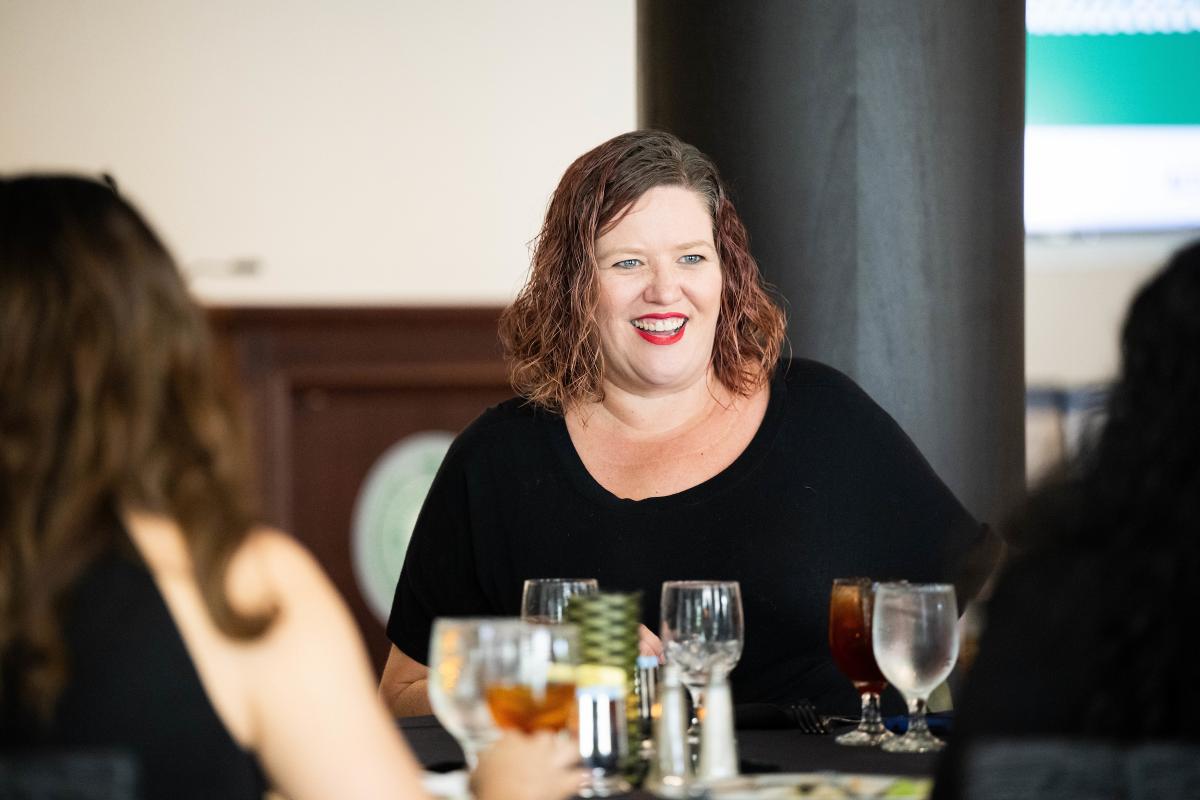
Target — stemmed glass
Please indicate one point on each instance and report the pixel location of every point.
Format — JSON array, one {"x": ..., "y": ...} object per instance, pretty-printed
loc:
[
  {"x": 545, "y": 599},
  {"x": 456, "y": 680},
  {"x": 851, "y": 603},
  {"x": 701, "y": 628},
  {"x": 529, "y": 677},
  {"x": 915, "y": 637}
]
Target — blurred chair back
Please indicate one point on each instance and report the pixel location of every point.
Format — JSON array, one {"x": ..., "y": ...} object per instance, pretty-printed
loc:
[
  {"x": 1081, "y": 770},
  {"x": 83, "y": 775}
]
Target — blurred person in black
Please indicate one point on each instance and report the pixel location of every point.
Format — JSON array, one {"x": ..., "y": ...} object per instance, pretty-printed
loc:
[{"x": 1091, "y": 625}]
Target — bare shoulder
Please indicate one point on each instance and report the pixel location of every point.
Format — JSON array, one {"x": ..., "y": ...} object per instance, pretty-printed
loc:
[{"x": 272, "y": 569}]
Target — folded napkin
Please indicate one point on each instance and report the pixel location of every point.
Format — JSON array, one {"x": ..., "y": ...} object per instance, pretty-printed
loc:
[
  {"x": 941, "y": 723},
  {"x": 448, "y": 786},
  {"x": 446, "y": 766}
]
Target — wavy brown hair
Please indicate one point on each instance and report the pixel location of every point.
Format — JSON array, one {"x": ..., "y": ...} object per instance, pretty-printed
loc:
[
  {"x": 109, "y": 400},
  {"x": 549, "y": 332}
]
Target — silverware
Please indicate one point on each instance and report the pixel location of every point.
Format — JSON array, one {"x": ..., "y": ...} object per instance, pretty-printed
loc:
[{"x": 806, "y": 718}]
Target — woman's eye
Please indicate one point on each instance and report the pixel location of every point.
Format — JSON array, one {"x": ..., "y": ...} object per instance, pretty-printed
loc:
[
  {"x": 692, "y": 259},
  {"x": 628, "y": 263}
]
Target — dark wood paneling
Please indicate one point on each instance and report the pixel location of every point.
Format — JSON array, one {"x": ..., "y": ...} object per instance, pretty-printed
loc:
[{"x": 329, "y": 390}]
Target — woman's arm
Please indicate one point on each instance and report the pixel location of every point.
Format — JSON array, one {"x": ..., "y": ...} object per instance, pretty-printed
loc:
[
  {"x": 402, "y": 688},
  {"x": 318, "y": 727}
]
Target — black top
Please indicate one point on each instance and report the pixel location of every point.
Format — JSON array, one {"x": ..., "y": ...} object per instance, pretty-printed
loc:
[
  {"x": 133, "y": 688},
  {"x": 829, "y": 486}
]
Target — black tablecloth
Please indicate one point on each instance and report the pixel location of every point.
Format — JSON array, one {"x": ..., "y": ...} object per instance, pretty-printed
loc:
[{"x": 787, "y": 750}]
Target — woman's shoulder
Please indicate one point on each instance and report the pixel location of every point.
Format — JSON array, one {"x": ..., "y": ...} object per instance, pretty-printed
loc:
[
  {"x": 502, "y": 425},
  {"x": 813, "y": 387},
  {"x": 267, "y": 567},
  {"x": 271, "y": 568},
  {"x": 806, "y": 372}
]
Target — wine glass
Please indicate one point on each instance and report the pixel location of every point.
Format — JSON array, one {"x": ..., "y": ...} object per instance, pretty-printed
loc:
[
  {"x": 701, "y": 628},
  {"x": 456, "y": 681},
  {"x": 914, "y": 632},
  {"x": 545, "y": 599},
  {"x": 529, "y": 677},
  {"x": 851, "y": 603}
]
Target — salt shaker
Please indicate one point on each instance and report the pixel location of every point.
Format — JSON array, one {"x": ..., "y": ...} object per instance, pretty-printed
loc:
[
  {"x": 671, "y": 768},
  {"x": 647, "y": 696},
  {"x": 718, "y": 747},
  {"x": 600, "y": 696}
]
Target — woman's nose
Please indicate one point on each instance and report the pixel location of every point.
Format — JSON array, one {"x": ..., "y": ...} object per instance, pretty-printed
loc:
[{"x": 663, "y": 286}]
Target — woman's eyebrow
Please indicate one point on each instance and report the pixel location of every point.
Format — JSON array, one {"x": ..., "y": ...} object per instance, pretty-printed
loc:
[
  {"x": 635, "y": 250},
  {"x": 604, "y": 255}
]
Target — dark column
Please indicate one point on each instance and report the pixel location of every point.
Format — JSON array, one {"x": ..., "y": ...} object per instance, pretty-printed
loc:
[{"x": 874, "y": 149}]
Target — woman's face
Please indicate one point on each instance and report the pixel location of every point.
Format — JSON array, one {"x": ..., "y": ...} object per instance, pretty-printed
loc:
[{"x": 660, "y": 293}]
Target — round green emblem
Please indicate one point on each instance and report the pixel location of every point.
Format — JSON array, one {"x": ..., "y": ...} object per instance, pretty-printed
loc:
[{"x": 385, "y": 513}]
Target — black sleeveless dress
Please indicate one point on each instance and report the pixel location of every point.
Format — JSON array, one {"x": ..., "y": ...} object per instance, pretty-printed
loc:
[{"x": 132, "y": 687}]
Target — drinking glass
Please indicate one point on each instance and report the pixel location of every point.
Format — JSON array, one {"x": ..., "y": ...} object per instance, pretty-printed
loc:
[
  {"x": 545, "y": 599},
  {"x": 851, "y": 603},
  {"x": 701, "y": 628},
  {"x": 529, "y": 675},
  {"x": 915, "y": 637},
  {"x": 456, "y": 680}
]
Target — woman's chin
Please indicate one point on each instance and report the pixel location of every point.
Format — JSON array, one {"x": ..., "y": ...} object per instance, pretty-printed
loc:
[{"x": 656, "y": 379}]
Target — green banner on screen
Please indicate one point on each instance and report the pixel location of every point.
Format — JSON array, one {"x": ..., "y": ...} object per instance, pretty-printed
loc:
[{"x": 1113, "y": 79}]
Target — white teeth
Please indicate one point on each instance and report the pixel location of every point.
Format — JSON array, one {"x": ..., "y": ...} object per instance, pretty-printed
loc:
[{"x": 660, "y": 325}]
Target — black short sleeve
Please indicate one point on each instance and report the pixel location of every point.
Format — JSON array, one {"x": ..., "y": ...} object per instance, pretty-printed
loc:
[{"x": 439, "y": 576}]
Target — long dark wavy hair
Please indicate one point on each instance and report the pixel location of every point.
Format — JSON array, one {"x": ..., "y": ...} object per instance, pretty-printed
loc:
[
  {"x": 109, "y": 400},
  {"x": 550, "y": 334},
  {"x": 1130, "y": 505}
]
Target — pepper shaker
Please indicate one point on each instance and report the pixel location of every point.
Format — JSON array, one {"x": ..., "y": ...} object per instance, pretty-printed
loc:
[{"x": 718, "y": 745}]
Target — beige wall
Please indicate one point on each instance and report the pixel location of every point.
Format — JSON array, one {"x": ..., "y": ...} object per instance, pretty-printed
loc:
[
  {"x": 391, "y": 151},
  {"x": 1076, "y": 294},
  {"x": 388, "y": 151}
]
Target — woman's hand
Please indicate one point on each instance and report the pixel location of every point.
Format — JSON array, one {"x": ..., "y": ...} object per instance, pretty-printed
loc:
[
  {"x": 537, "y": 767},
  {"x": 649, "y": 644}
]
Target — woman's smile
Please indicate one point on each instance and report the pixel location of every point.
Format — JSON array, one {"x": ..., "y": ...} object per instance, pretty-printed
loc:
[{"x": 660, "y": 328}]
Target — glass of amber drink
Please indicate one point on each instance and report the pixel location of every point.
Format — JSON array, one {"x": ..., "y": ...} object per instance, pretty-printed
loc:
[
  {"x": 851, "y": 604},
  {"x": 530, "y": 678}
]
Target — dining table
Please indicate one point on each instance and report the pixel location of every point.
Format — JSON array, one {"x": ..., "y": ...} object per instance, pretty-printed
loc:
[{"x": 786, "y": 750}]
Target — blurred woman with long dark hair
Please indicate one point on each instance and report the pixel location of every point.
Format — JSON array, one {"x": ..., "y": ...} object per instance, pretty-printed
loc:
[
  {"x": 142, "y": 608},
  {"x": 1091, "y": 628}
]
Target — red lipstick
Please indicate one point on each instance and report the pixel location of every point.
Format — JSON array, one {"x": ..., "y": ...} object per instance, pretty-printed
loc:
[{"x": 659, "y": 338}]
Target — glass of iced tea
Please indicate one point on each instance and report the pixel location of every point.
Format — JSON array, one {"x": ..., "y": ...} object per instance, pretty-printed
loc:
[
  {"x": 530, "y": 678},
  {"x": 851, "y": 604}
]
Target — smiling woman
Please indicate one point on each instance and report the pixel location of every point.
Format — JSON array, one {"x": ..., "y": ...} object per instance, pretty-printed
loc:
[
  {"x": 657, "y": 435},
  {"x": 641, "y": 191},
  {"x": 658, "y": 285},
  {"x": 659, "y": 279}
]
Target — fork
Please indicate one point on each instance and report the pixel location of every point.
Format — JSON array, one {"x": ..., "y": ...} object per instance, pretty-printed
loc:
[{"x": 804, "y": 714}]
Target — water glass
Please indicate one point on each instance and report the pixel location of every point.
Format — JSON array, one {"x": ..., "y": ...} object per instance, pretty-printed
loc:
[
  {"x": 545, "y": 599},
  {"x": 851, "y": 604},
  {"x": 456, "y": 681},
  {"x": 701, "y": 628},
  {"x": 914, "y": 633}
]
